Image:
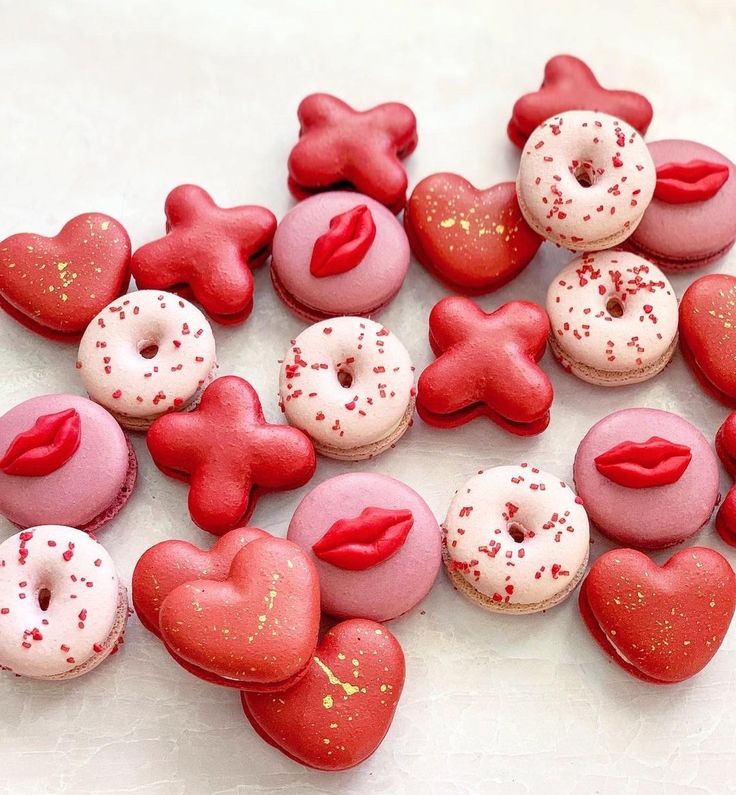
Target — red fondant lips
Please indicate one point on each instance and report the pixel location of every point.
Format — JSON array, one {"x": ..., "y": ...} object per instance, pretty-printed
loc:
[
  {"x": 343, "y": 247},
  {"x": 336, "y": 716},
  {"x": 44, "y": 448},
  {"x": 661, "y": 624},
  {"x": 56, "y": 285},
  {"x": 257, "y": 628},
  {"x": 167, "y": 565},
  {"x": 366, "y": 540},
  {"x": 643, "y": 465},
  {"x": 726, "y": 449},
  {"x": 694, "y": 181}
]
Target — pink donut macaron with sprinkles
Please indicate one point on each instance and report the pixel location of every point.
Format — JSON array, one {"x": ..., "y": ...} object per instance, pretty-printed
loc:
[
  {"x": 146, "y": 354},
  {"x": 585, "y": 180},
  {"x": 348, "y": 383},
  {"x": 63, "y": 609},
  {"x": 63, "y": 460},
  {"x": 648, "y": 478},
  {"x": 338, "y": 253},
  {"x": 516, "y": 539},
  {"x": 613, "y": 318},
  {"x": 374, "y": 541},
  {"x": 692, "y": 218}
]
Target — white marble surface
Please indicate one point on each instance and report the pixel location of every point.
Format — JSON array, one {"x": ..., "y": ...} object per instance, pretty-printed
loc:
[{"x": 108, "y": 106}]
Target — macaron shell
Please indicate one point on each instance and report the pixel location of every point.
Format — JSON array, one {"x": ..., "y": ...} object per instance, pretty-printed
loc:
[
  {"x": 688, "y": 234},
  {"x": 390, "y": 588},
  {"x": 648, "y": 518},
  {"x": 90, "y": 482},
  {"x": 364, "y": 288}
]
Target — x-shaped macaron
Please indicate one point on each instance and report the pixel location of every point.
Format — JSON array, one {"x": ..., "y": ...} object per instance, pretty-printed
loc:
[
  {"x": 340, "y": 147},
  {"x": 229, "y": 454},
  {"x": 208, "y": 251},
  {"x": 486, "y": 366}
]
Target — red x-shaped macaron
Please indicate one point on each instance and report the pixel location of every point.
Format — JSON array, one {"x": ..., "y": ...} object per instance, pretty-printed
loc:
[
  {"x": 341, "y": 148},
  {"x": 208, "y": 253},
  {"x": 486, "y": 366},
  {"x": 229, "y": 454}
]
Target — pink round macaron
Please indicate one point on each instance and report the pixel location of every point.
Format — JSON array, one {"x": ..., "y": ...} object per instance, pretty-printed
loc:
[
  {"x": 338, "y": 253},
  {"x": 63, "y": 609},
  {"x": 374, "y": 541},
  {"x": 63, "y": 460},
  {"x": 692, "y": 218},
  {"x": 648, "y": 478}
]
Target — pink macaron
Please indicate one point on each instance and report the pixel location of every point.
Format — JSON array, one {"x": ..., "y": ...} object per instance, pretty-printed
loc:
[
  {"x": 338, "y": 253},
  {"x": 648, "y": 478},
  {"x": 374, "y": 541},
  {"x": 64, "y": 461},
  {"x": 691, "y": 220}
]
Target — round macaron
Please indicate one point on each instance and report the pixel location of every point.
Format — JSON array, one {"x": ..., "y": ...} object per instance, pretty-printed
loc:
[
  {"x": 648, "y": 478},
  {"x": 613, "y": 318},
  {"x": 63, "y": 460},
  {"x": 374, "y": 541},
  {"x": 63, "y": 609},
  {"x": 515, "y": 540},
  {"x": 348, "y": 383},
  {"x": 338, "y": 253},
  {"x": 691, "y": 220}
]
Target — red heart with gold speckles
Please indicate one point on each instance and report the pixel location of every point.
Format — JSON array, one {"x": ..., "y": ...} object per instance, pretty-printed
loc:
[
  {"x": 56, "y": 285},
  {"x": 475, "y": 240},
  {"x": 337, "y": 715},
  {"x": 662, "y": 624},
  {"x": 257, "y": 628}
]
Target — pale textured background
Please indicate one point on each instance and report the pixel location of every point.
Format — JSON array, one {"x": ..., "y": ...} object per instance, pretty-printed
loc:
[{"x": 107, "y": 107}]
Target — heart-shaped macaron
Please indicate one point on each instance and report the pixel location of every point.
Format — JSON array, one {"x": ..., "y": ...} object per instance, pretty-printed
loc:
[
  {"x": 708, "y": 334},
  {"x": 168, "y": 565},
  {"x": 662, "y": 624},
  {"x": 474, "y": 240},
  {"x": 56, "y": 285},
  {"x": 336, "y": 716},
  {"x": 257, "y": 628}
]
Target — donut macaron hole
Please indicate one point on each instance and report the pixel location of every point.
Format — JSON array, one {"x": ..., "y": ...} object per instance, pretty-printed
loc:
[
  {"x": 148, "y": 348},
  {"x": 344, "y": 377},
  {"x": 44, "y": 598},
  {"x": 517, "y": 532},
  {"x": 615, "y": 306},
  {"x": 583, "y": 173}
]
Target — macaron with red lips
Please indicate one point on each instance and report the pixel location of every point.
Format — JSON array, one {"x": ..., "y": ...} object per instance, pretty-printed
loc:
[
  {"x": 648, "y": 478},
  {"x": 691, "y": 220},
  {"x": 374, "y": 542},
  {"x": 338, "y": 253}
]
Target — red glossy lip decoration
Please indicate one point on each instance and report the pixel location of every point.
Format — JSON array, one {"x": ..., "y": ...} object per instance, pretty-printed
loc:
[
  {"x": 344, "y": 246},
  {"x": 366, "y": 540},
  {"x": 44, "y": 448},
  {"x": 694, "y": 181},
  {"x": 643, "y": 465}
]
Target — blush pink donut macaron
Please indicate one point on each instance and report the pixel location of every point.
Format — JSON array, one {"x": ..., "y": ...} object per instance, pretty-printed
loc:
[
  {"x": 63, "y": 609},
  {"x": 348, "y": 383},
  {"x": 585, "y": 180},
  {"x": 613, "y": 318},
  {"x": 374, "y": 541},
  {"x": 63, "y": 460},
  {"x": 648, "y": 478},
  {"x": 338, "y": 253},
  {"x": 515, "y": 539},
  {"x": 146, "y": 354},
  {"x": 692, "y": 218}
]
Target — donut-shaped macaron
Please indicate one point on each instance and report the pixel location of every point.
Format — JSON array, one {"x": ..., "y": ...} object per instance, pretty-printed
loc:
[
  {"x": 585, "y": 180},
  {"x": 348, "y": 383},
  {"x": 613, "y": 318},
  {"x": 62, "y": 608},
  {"x": 515, "y": 539},
  {"x": 146, "y": 354},
  {"x": 338, "y": 253}
]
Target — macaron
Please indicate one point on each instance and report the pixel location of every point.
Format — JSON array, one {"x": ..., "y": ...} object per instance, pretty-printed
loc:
[
  {"x": 648, "y": 478},
  {"x": 374, "y": 541},
  {"x": 63, "y": 461},
  {"x": 691, "y": 220},
  {"x": 338, "y": 253}
]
